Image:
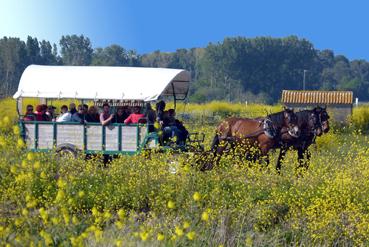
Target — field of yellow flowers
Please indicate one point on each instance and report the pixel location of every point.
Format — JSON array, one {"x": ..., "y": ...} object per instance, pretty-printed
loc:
[{"x": 164, "y": 200}]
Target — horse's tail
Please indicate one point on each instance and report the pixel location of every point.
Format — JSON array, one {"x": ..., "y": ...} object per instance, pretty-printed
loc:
[{"x": 215, "y": 143}]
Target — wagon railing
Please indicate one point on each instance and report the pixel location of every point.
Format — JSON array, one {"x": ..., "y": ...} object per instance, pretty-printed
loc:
[{"x": 90, "y": 137}]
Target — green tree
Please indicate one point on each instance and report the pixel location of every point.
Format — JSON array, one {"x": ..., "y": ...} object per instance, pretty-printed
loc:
[
  {"x": 113, "y": 55},
  {"x": 33, "y": 51},
  {"x": 76, "y": 50},
  {"x": 13, "y": 58},
  {"x": 46, "y": 52}
]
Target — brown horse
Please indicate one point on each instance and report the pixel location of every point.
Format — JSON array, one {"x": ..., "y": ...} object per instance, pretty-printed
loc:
[{"x": 256, "y": 136}]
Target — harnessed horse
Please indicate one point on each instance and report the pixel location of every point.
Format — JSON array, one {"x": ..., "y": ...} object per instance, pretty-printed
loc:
[
  {"x": 261, "y": 134},
  {"x": 312, "y": 123}
]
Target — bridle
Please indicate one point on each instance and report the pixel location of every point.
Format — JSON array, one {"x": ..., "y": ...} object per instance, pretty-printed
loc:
[
  {"x": 314, "y": 122},
  {"x": 291, "y": 128}
]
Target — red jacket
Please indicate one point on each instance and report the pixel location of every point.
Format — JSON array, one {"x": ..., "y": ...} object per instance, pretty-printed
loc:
[{"x": 133, "y": 118}]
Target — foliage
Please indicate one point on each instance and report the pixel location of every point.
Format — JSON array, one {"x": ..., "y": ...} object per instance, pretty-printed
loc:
[
  {"x": 164, "y": 200},
  {"x": 76, "y": 50},
  {"x": 114, "y": 55},
  {"x": 238, "y": 69}
]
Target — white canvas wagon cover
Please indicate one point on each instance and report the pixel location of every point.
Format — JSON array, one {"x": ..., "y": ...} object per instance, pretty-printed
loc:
[{"x": 100, "y": 82}]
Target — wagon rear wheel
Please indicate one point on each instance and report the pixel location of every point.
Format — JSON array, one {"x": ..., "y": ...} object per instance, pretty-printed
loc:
[{"x": 67, "y": 151}]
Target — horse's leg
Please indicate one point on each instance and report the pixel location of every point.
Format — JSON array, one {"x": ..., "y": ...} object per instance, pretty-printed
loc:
[
  {"x": 215, "y": 143},
  {"x": 217, "y": 155},
  {"x": 300, "y": 156},
  {"x": 264, "y": 154},
  {"x": 281, "y": 156},
  {"x": 307, "y": 160},
  {"x": 216, "y": 151}
]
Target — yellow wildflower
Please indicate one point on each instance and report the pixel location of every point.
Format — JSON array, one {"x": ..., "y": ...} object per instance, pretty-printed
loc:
[
  {"x": 20, "y": 143},
  {"x": 75, "y": 220},
  {"x": 107, "y": 215},
  {"x": 178, "y": 231},
  {"x": 248, "y": 241},
  {"x": 196, "y": 196},
  {"x": 119, "y": 225},
  {"x": 118, "y": 243},
  {"x": 171, "y": 204},
  {"x": 61, "y": 183},
  {"x": 191, "y": 235},
  {"x": 43, "y": 175},
  {"x": 205, "y": 216},
  {"x": 59, "y": 196},
  {"x": 121, "y": 214},
  {"x": 25, "y": 212},
  {"x": 81, "y": 193},
  {"x": 30, "y": 156},
  {"x": 144, "y": 236},
  {"x": 160, "y": 237},
  {"x": 36, "y": 165},
  {"x": 44, "y": 215},
  {"x": 94, "y": 211},
  {"x": 186, "y": 225},
  {"x": 98, "y": 234},
  {"x": 16, "y": 130}
]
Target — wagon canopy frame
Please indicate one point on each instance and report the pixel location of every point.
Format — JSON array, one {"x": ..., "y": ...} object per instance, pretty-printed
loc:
[{"x": 102, "y": 83}]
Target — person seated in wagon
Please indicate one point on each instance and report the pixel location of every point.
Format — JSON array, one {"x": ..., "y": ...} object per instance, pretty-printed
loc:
[
  {"x": 135, "y": 117},
  {"x": 65, "y": 115},
  {"x": 29, "y": 115},
  {"x": 40, "y": 113},
  {"x": 106, "y": 117},
  {"x": 92, "y": 115},
  {"x": 121, "y": 115}
]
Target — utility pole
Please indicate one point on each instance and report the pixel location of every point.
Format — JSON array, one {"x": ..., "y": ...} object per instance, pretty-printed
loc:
[{"x": 303, "y": 82}]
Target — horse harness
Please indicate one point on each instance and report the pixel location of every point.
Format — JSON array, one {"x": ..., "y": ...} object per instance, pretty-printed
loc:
[{"x": 267, "y": 128}]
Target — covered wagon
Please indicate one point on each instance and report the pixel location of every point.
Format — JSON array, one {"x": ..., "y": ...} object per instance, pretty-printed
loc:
[{"x": 115, "y": 85}]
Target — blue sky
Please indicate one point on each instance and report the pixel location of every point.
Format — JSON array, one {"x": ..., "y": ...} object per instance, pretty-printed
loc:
[{"x": 166, "y": 25}]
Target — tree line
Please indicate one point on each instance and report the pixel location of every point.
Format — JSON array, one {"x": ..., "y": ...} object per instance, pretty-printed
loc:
[{"x": 236, "y": 69}]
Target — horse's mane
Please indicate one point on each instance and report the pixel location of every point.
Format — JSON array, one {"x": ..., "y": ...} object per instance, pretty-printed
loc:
[
  {"x": 303, "y": 117},
  {"x": 277, "y": 118}
]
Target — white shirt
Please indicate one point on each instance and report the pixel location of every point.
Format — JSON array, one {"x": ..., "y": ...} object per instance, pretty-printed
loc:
[{"x": 66, "y": 117}]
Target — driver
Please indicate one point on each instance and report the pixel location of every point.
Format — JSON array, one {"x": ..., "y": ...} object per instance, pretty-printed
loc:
[{"x": 173, "y": 127}]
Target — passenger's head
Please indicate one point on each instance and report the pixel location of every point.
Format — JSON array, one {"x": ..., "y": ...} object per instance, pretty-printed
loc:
[
  {"x": 72, "y": 106},
  {"x": 29, "y": 109},
  {"x": 43, "y": 108},
  {"x": 39, "y": 108},
  {"x": 106, "y": 108},
  {"x": 171, "y": 112},
  {"x": 136, "y": 109},
  {"x": 92, "y": 110},
  {"x": 51, "y": 108},
  {"x": 126, "y": 109},
  {"x": 85, "y": 108},
  {"x": 120, "y": 111},
  {"x": 80, "y": 109},
  {"x": 64, "y": 109},
  {"x": 160, "y": 106},
  {"x": 148, "y": 106}
]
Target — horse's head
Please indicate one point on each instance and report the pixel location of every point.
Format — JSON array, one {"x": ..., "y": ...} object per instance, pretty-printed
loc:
[
  {"x": 314, "y": 124},
  {"x": 291, "y": 122},
  {"x": 323, "y": 118}
]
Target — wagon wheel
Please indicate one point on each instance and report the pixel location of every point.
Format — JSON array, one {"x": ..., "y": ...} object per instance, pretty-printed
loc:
[{"x": 67, "y": 151}]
